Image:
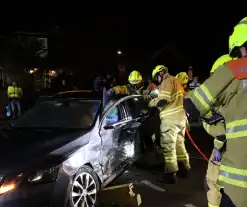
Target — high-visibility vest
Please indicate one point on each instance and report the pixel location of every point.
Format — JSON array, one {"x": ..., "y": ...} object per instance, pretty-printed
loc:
[{"x": 14, "y": 92}]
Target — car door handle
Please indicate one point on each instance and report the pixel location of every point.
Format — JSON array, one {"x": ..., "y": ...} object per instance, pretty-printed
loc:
[
  {"x": 124, "y": 126},
  {"x": 131, "y": 131}
]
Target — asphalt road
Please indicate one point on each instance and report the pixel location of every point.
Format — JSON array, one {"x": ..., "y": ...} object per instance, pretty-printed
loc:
[{"x": 145, "y": 175}]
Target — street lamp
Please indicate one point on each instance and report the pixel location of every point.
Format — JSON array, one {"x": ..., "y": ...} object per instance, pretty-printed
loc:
[{"x": 119, "y": 52}]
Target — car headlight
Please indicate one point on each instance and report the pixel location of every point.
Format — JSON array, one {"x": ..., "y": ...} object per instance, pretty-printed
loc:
[
  {"x": 43, "y": 176},
  {"x": 9, "y": 183}
]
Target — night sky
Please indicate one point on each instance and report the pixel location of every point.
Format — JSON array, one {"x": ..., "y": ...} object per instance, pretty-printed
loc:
[{"x": 198, "y": 40}]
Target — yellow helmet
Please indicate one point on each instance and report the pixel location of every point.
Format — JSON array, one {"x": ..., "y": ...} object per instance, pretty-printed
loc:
[
  {"x": 238, "y": 37},
  {"x": 158, "y": 69},
  {"x": 135, "y": 77},
  {"x": 182, "y": 77},
  {"x": 220, "y": 61}
]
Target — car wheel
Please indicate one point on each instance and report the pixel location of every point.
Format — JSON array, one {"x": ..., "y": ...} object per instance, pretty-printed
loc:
[{"x": 84, "y": 188}]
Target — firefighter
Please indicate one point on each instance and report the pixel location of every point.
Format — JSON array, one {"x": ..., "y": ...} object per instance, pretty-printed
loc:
[
  {"x": 135, "y": 86},
  {"x": 184, "y": 79},
  {"x": 173, "y": 123},
  {"x": 217, "y": 130},
  {"x": 227, "y": 88}
]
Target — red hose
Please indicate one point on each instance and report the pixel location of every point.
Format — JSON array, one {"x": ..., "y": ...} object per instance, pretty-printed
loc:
[{"x": 194, "y": 144}]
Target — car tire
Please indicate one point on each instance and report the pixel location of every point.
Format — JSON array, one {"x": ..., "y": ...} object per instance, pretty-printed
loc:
[{"x": 84, "y": 188}]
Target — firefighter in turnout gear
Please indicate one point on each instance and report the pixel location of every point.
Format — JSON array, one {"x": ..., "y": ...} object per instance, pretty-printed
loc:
[
  {"x": 218, "y": 131},
  {"x": 173, "y": 123},
  {"x": 183, "y": 78},
  {"x": 135, "y": 86},
  {"x": 227, "y": 87}
]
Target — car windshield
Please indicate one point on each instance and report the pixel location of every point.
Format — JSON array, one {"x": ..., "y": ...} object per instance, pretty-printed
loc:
[{"x": 60, "y": 114}]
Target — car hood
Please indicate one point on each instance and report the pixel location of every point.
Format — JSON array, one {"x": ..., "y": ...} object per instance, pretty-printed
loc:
[{"x": 22, "y": 148}]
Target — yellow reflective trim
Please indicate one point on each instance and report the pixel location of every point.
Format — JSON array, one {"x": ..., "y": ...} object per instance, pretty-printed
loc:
[
  {"x": 210, "y": 205},
  {"x": 169, "y": 114},
  {"x": 218, "y": 141},
  {"x": 176, "y": 95},
  {"x": 206, "y": 127},
  {"x": 236, "y": 129},
  {"x": 170, "y": 159},
  {"x": 165, "y": 92},
  {"x": 236, "y": 123},
  {"x": 237, "y": 171},
  {"x": 164, "y": 96},
  {"x": 171, "y": 111},
  {"x": 201, "y": 100},
  {"x": 233, "y": 135},
  {"x": 171, "y": 97},
  {"x": 207, "y": 93},
  {"x": 238, "y": 183},
  {"x": 183, "y": 157},
  {"x": 233, "y": 176}
]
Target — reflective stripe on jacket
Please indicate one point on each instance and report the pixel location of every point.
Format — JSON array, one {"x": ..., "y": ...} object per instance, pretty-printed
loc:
[{"x": 216, "y": 130}]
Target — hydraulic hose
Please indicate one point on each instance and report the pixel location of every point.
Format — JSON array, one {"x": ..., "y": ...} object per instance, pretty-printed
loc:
[{"x": 194, "y": 144}]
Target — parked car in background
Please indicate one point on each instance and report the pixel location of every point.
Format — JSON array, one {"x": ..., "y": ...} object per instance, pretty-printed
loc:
[{"x": 66, "y": 148}]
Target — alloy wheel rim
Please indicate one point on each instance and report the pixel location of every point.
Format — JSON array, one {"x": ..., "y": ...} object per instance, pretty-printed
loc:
[{"x": 84, "y": 190}]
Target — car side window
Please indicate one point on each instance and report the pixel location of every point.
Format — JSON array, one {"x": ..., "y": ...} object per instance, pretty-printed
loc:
[
  {"x": 135, "y": 107},
  {"x": 114, "y": 115}
]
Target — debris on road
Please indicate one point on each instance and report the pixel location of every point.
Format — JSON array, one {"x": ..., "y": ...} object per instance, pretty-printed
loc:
[
  {"x": 120, "y": 195},
  {"x": 151, "y": 185}
]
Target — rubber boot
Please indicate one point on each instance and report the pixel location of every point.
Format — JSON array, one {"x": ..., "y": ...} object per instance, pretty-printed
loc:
[
  {"x": 169, "y": 178},
  {"x": 183, "y": 173}
]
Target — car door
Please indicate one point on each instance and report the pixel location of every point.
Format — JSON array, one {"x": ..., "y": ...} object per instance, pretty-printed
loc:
[
  {"x": 110, "y": 131},
  {"x": 117, "y": 135},
  {"x": 136, "y": 109}
]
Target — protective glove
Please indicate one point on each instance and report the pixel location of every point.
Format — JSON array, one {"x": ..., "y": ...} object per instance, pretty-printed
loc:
[
  {"x": 111, "y": 92},
  {"x": 216, "y": 155},
  {"x": 152, "y": 103},
  {"x": 154, "y": 93},
  {"x": 215, "y": 118}
]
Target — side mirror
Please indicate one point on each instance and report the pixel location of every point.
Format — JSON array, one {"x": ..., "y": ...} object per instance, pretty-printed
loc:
[{"x": 106, "y": 127}]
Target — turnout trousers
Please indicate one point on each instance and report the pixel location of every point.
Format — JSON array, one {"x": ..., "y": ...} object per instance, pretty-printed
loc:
[
  {"x": 172, "y": 133},
  {"x": 213, "y": 194}
]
